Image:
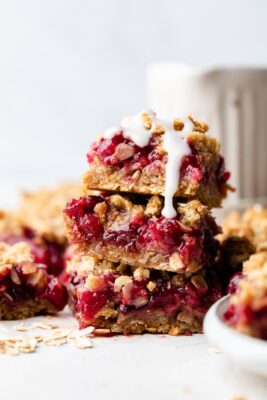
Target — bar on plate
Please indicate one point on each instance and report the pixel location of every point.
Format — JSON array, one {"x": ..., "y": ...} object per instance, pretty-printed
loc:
[{"x": 247, "y": 311}]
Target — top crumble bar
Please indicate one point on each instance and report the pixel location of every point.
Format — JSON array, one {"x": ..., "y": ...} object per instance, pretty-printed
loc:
[{"x": 118, "y": 163}]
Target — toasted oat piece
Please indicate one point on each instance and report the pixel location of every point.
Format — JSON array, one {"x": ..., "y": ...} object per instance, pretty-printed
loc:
[
  {"x": 247, "y": 311},
  {"x": 119, "y": 164},
  {"x": 251, "y": 224},
  {"x": 132, "y": 231},
  {"x": 26, "y": 289},
  {"x": 136, "y": 302}
]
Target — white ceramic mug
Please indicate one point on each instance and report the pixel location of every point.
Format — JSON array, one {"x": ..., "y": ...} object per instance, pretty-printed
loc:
[{"x": 233, "y": 101}]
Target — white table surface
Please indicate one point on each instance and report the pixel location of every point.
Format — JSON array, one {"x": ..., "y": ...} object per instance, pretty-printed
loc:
[{"x": 144, "y": 367}]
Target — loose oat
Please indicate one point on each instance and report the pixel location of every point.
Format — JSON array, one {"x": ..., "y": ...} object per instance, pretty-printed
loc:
[
  {"x": 54, "y": 341},
  {"x": 214, "y": 350},
  {"x": 58, "y": 336},
  {"x": 83, "y": 343},
  {"x": 20, "y": 328},
  {"x": 86, "y": 331},
  {"x": 101, "y": 331},
  {"x": 44, "y": 325}
]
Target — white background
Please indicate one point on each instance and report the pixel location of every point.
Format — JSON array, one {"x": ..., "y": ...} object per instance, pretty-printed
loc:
[{"x": 70, "y": 68}]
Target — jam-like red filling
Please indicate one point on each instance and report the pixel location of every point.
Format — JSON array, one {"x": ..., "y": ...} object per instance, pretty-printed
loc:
[
  {"x": 35, "y": 284},
  {"x": 193, "y": 168},
  {"x": 44, "y": 251},
  {"x": 233, "y": 282},
  {"x": 157, "y": 234},
  {"x": 243, "y": 314},
  {"x": 135, "y": 296}
]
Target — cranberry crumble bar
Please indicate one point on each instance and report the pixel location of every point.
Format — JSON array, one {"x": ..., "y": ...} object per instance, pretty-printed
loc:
[
  {"x": 125, "y": 299},
  {"x": 26, "y": 289},
  {"x": 146, "y": 154},
  {"x": 39, "y": 223},
  {"x": 247, "y": 311},
  {"x": 132, "y": 230}
]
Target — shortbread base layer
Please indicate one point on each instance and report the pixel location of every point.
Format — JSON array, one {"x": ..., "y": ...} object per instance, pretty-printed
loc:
[{"x": 25, "y": 309}]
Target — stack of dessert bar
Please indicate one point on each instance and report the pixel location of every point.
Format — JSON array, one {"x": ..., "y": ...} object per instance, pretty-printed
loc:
[{"x": 143, "y": 237}]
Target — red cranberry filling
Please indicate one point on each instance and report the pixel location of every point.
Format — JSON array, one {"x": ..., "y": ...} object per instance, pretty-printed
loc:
[
  {"x": 233, "y": 282},
  {"x": 156, "y": 234},
  {"x": 222, "y": 175},
  {"x": 49, "y": 287},
  {"x": 238, "y": 314},
  {"x": 105, "y": 150},
  {"x": 45, "y": 252},
  {"x": 243, "y": 314},
  {"x": 192, "y": 168},
  {"x": 56, "y": 293},
  {"x": 90, "y": 303},
  {"x": 127, "y": 234},
  {"x": 135, "y": 296}
]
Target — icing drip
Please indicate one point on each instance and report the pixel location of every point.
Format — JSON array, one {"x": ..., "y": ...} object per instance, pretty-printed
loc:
[
  {"x": 133, "y": 129},
  {"x": 110, "y": 132},
  {"x": 174, "y": 143},
  {"x": 176, "y": 146}
]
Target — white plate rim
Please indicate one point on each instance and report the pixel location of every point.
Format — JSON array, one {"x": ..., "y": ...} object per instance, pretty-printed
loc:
[{"x": 250, "y": 353}]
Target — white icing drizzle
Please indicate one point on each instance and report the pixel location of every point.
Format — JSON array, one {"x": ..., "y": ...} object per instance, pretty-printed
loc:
[
  {"x": 110, "y": 132},
  {"x": 174, "y": 143},
  {"x": 176, "y": 146},
  {"x": 133, "y": 129}
]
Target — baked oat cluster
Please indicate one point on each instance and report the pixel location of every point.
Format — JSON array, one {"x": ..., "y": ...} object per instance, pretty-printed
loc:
[{"x": 143, "y": 248}]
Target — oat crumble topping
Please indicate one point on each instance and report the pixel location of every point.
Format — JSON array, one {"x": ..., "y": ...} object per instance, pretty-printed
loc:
[{"x": 16, "y": 254}]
